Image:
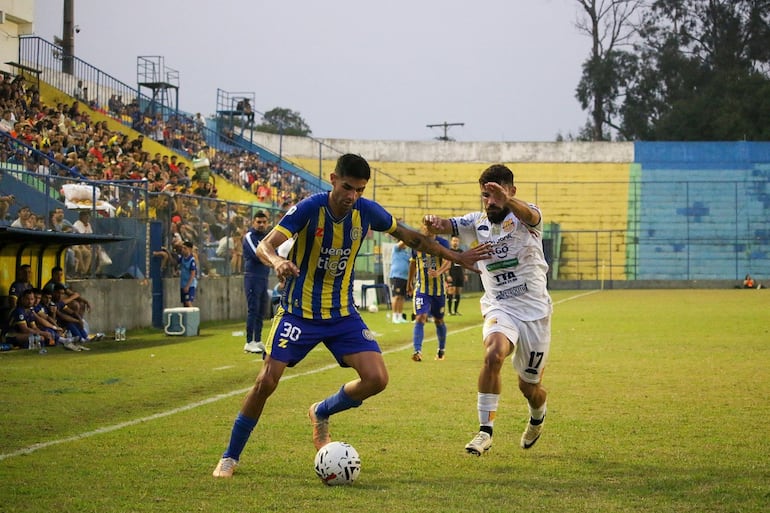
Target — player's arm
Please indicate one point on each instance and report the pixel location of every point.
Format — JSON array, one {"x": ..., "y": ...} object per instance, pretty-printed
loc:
[
  {"x": 520, "y": 209},
  {"x": 420, "y": 242},
  {"x": 410, "y": 277},
  {"x": 445, "y": 266},
  {"x": 267, "y": 252}
]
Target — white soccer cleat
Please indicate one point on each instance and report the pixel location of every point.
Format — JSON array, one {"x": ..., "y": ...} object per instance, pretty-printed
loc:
[
  {"x": 254, "y": 347},
  {"x": 531, "y": 434},
  {"x": 225, "y": 467},
  {"x": 480, "y": 444}
]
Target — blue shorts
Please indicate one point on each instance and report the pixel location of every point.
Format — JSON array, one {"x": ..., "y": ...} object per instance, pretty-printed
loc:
[
  {"x": 431, "y": 305},
  {"x": 291, "y": 338},
  {"x": 187, "y": 296}
]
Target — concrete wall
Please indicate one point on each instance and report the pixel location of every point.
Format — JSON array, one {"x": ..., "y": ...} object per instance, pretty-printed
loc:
[
  {"x": 453, "y": 151},
  {"x": 129, "y": 302}
]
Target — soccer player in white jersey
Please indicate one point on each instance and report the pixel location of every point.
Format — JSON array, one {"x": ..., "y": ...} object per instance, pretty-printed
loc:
[{"x": 516, "y": 305}]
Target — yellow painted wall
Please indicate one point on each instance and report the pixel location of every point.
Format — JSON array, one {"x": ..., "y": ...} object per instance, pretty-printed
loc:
[{"x": 588, "y": 200}]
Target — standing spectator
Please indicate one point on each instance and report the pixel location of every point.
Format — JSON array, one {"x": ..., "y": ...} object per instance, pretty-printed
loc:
[
  {"x": 188, "y": 271},
  {"x": 399, "y": 273},
  {"x": 255, "y": 275},
  {"x": 6, "y": 200},
  {"x": 516, "y": 305},
  {"x": 83, "y": 252},
  {"x": 426, "y": 284},
  {"x": 455, "y": 281}
]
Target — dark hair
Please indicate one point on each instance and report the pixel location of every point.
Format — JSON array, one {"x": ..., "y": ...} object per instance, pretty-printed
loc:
[
  {"x": 57, "y": 268},
  {"x": 27, "y": 292},
  {"x": 354, "y": 166},
  {"x": 59, "y": 286},
  {"x": 260, "y": 214},
  {"x": 497, "y": 173}
]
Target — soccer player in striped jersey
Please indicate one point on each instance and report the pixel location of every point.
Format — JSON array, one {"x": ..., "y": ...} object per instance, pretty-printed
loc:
[
  {"x": 426, "y": 285},
  {"x": 317, "y": 300}
]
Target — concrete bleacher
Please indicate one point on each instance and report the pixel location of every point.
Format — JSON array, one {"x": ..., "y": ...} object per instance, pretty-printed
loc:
[{"x": 589, "y": 201}]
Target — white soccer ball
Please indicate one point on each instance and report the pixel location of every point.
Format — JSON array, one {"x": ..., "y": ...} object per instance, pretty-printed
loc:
[
  {"x": 373, "y": 308},
  {"x": 337, "y": 463}
]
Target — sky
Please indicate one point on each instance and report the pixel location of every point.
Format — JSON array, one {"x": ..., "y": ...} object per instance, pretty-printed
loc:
[{"x": 354, "y": 69}]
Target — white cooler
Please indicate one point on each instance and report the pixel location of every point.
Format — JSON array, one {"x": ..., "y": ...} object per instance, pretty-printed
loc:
[{"x": 183, "y": 321}]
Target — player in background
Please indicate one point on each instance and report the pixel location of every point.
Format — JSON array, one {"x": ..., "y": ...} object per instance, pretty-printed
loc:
[
  {"x": 255, "y": 275},
  {"x": 317, "y": 301},
  {"x": 426, "y": 286},
  {"x": 188, "y": 274},
  {"x": 516, "y": 305},
  {"x": 455, "y": 281}
]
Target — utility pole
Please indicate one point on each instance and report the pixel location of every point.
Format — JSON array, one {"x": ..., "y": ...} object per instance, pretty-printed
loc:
[
  {"x": 68, "y": 37},
  {"x": 445, "y": 126}
]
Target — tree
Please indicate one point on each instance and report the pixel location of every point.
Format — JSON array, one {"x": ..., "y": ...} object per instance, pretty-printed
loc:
[
  {"x": 611, "y": 25},
  {"x": 285, "y": 121},
  {"x": 702, "y": 72}
]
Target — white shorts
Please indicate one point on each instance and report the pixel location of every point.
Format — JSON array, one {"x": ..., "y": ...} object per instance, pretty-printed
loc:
[{"x": 532, "y": 340}]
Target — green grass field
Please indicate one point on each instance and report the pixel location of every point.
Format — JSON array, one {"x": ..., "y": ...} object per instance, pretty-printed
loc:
[{"x": 659, "y": 402}]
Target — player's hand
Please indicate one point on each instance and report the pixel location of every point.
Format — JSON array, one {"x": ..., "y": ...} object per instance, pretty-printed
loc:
[
  {"x": 469, "y": 258},
  {"x": 495, "y": 191},
  {"x": 286, "y": 269},
  {"x": 432, "y": 223}
]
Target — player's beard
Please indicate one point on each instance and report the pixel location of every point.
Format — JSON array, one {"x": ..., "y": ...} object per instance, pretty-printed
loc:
[{"x": 497, "y": 215}]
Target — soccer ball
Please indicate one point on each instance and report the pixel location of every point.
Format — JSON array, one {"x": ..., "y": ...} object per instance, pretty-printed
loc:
[
  {"x": 337, "y": 463},
  {"x": 373, "y": 308}
]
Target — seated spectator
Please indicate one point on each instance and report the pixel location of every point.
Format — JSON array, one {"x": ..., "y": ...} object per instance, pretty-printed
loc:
[
  {"x": 20, "y": 285},
  {"x": 43, "y": 309},
  {"x": 78, "y": 303},
  {"x": 67, "y": 318},
  {"x": 22, "y": 324},
  {"x": 24, "y": 219},
  {"x": 750, "y": 283}
]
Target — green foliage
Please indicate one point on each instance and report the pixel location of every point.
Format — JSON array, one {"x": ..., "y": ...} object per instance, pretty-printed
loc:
[
  {"x": 658, "y": 402},
  {"x": 698, "y": 71},
  {"x": 284, "y": 121}
]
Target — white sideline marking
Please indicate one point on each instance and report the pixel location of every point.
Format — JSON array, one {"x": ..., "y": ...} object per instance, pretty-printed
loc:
[{"x": 108, "y": 429}]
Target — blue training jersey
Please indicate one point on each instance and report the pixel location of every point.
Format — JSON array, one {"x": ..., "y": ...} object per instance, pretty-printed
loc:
[
  {"x": 325, "y": 251},
  {"x": 186, "y": 266},
  {"x": 251, "y": 263},
  {"x": 425, "y": 262}
]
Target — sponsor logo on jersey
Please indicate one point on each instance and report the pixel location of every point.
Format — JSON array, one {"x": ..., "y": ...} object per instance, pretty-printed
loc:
[
  {"x": 518, "y": 290},
  {"x": 503, "y": 264}
]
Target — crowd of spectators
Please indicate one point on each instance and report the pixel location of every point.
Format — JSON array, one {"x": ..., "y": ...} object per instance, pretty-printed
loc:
[{"x": 75, "y": 147}]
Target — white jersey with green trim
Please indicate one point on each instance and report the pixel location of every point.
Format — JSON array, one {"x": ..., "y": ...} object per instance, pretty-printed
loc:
[{"x": 514, "y": 278}]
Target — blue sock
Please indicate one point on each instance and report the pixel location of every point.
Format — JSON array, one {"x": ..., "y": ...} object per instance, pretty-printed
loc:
[
  {"x": 336, "y": 403},
  {"x": 417, "y": 335},
  {"x": 441, "y": 335},
  {"x": 242, "y": 428}
]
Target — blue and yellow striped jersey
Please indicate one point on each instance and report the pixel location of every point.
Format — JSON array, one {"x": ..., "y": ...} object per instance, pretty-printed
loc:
[
  {"x": 424, "y": 263},
  {"x": 325, "y": 251}
]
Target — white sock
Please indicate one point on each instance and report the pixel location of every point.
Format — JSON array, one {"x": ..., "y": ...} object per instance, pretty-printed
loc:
[
  {"x": 539, "y": 413},
  {"x": 487, "y": 405}
]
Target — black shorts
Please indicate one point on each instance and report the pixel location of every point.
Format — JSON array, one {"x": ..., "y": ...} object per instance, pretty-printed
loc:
[
  {"x": 398, "y": 287},
  {"x": 458, "y": 276}
]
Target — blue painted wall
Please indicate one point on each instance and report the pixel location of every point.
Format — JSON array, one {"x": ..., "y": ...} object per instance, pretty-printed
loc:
[{"x": 704, "y": 211}]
